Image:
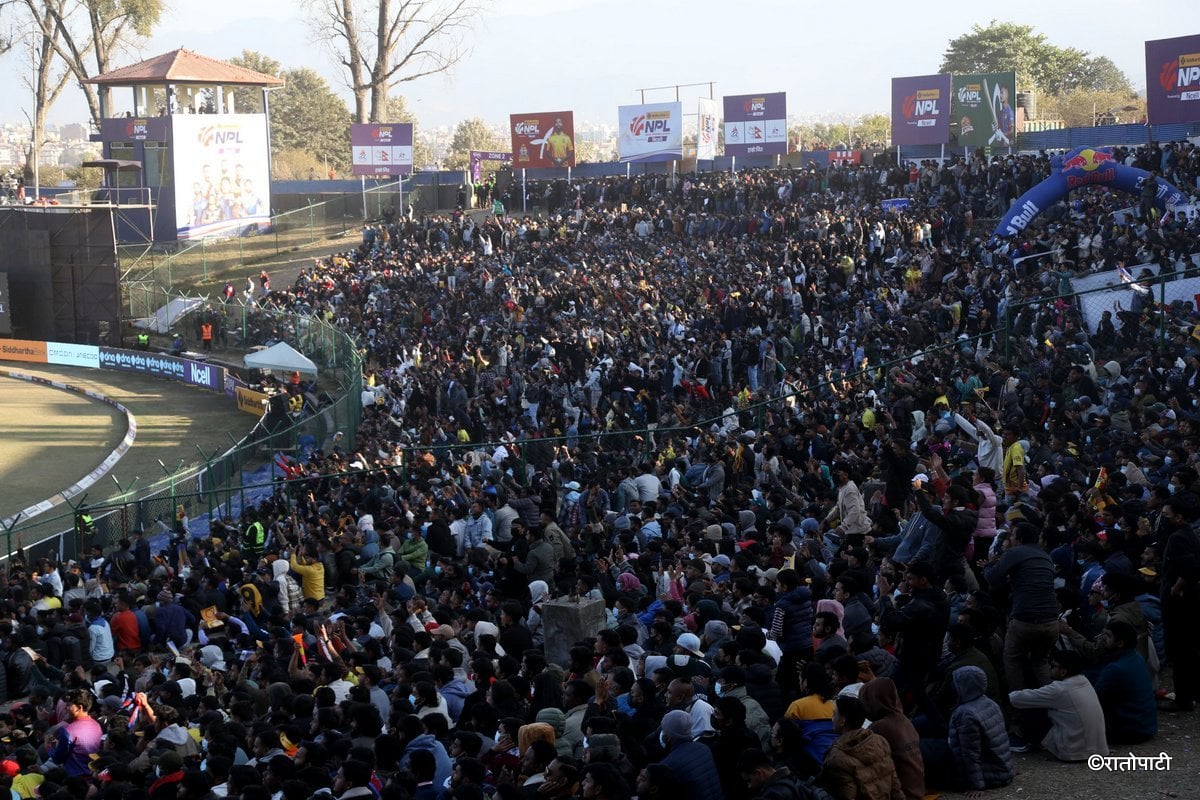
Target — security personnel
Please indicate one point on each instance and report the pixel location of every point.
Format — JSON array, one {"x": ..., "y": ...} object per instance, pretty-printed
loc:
[
  {"x": 84, "y": 522},
  {"x": 206, "y": 335},
  {"x": 255, "y": 539},
  {"x": 143, "y": 341}
]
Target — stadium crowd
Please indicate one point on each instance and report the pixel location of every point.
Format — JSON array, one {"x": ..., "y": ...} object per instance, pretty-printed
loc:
[{"x": 867, "y": 505}]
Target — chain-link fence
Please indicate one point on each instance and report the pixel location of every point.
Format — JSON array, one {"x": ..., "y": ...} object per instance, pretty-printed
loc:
[
  {"x": 213, "y": 259},
  {"x": 217, "y": 486},
  {"x": 1145, "y": 304}
]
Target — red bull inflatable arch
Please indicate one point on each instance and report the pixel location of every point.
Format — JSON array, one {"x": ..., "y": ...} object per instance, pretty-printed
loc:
[{"x": 1077, "y": 169}]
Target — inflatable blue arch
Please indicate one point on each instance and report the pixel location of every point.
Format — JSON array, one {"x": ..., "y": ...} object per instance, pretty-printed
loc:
[{"x": 1077, "y": 169}]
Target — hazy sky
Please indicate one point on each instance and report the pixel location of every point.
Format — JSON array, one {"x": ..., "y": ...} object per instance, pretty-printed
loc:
[{"x": 591, "y": 56}]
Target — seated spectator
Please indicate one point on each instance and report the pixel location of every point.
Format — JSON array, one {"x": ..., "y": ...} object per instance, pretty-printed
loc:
[
  {"x": 1124, "y": 688},
  {"x": 976, "y": 755},
  {"x": 1076, "y": 721},
  {"x": 859, "y": 764},
  {"x": 882, "y": 704}
]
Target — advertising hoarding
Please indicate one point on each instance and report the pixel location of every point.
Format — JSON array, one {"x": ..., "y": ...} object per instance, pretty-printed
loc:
[
  {"x": 543, "y": 139},
  {"x": 222, "y": 174},
  {"x": 707, "y": 123},
  {"x": 756, "y": 124},
  {"x": 73, "y": 355},
  {"x": 381, "y": 149},
  {"x": 921, "y": 110},
  {"x": 185, "y": 370},
  {"x": 650, "y": 132},
  {"x": 23, "y": 350},
  {"x": 982, "y": 107},
  {"x": 1173, "y": 80}
]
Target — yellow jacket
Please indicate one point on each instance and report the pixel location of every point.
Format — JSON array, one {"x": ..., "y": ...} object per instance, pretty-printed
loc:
[{"x": 312, "y": 578}]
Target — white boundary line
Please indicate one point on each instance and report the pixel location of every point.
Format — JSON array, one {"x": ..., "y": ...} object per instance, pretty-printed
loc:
[{"x": 105, "y": 466}]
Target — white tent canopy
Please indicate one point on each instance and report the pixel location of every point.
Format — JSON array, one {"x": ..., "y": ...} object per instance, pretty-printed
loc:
[{"x": 281, "y": 356}]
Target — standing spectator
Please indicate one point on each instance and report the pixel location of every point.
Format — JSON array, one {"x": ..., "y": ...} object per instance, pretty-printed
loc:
[
  {"x": 1180, "y": 593},
  {"x": 791, "y": 626},
  {"x": 75, "y": 742},
  {"x": 1028, "y": 573},
  {"x": 100, "y": 636},
  {"x": 171, "y": 621}
]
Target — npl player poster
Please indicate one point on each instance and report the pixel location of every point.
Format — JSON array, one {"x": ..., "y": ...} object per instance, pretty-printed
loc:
[
  {"x": 545, "y": 139},
  {"x": 983, "y": 109},
  {"x": 756, "y": 124},
  {"x": 381, "y": 149}
]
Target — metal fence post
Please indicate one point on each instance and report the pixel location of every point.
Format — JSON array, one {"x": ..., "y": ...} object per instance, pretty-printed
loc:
[{"x": 1162, "y": 313}]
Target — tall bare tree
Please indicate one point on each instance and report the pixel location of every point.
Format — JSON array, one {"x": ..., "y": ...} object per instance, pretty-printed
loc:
[
  {"x": 383, "y": 43},
  {"x": 46, "y": 78},
  {"x": 93, "y": 32}
]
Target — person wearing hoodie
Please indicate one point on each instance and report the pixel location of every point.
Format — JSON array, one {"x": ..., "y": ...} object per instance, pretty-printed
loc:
[
  {"x": 692, "y": 761},
  {"x": 419, "y": 738},
  {"x": 731, "y": 682},
  {"x": 976, "y": 754},
  {"x": 761, "y": 685},
  {"x": 290, "y": 597},
  {"x": 556, "y": 718},
  {"x": 859, "y": 764},
  {"x": 882, "y": 704},
  {"x": 1075, "y": 715},
  {"x": 539, "y": 592}
]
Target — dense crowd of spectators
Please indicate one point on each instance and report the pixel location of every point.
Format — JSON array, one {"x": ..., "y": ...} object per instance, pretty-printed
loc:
[{"x": 844, "y": 546}]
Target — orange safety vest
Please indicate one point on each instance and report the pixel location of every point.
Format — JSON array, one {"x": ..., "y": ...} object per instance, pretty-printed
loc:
[{"x": 206, "y": 332}]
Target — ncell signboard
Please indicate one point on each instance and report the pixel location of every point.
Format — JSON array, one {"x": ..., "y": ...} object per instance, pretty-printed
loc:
[
  {"x": 921, "y": 110},
  {"x": 1173, "y": 80},
  {"x": 756, "y": 124}
]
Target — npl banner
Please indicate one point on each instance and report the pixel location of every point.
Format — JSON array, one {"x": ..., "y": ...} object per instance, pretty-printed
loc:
[
  {"x": 381, "y": 149},
  {"x": 477, "y": 157},
  {"x": 545, "y": 139},
  {"x": 921, "y": 110},
  {"x": 706, "y": 129},
  {"x": 650, "y": 132},
  {"x": 756, "y": 124},
  {"x": 222, "y": 176},
  {"x": 1173, "y": 80},
  {"x": 983, "y": 110}
]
